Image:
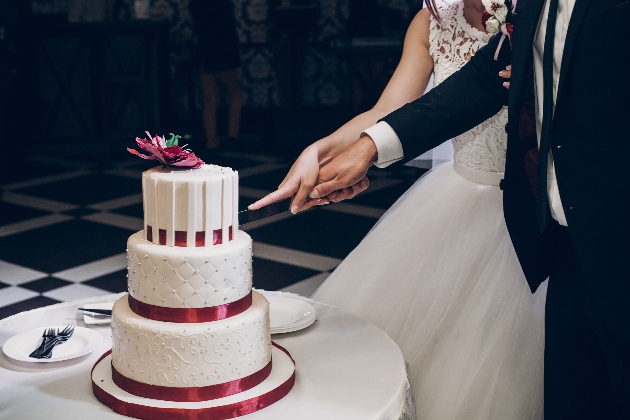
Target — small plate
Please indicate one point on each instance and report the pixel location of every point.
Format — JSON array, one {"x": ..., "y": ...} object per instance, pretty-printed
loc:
[
  {"x": 292, "y": 328},
  {"x": 95, "y": 319},
  {"x": 82, "y": 342},
  {"x": 289, "y": 314}
]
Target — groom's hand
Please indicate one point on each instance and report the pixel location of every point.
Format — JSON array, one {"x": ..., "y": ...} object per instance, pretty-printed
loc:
[
  {"x": 345, "y": 175},
  {"x": 339, "y": 195}
]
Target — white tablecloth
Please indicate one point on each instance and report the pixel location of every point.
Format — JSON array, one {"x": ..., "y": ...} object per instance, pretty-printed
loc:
[{"x": 345, "y": 369}]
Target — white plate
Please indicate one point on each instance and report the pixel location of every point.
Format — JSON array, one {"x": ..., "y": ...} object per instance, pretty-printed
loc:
[
  {"x": 292, "y": 328},
  {"x": 82, "y": 342},
  {"x": 306, "y": 322},
  {"x": 289, "y": 314},
  {"x": 92, "y": 320}
]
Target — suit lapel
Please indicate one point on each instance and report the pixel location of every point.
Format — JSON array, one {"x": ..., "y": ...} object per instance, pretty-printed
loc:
[
  {"x": 526, "y": 24},
  {"x": 579, "y": 10}
]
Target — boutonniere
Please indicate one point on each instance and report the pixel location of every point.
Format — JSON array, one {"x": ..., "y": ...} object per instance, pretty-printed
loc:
[{"x": 499, "y": 17}]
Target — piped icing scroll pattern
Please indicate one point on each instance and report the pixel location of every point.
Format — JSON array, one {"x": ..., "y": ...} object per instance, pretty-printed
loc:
[{"x": 185, "y": 356}]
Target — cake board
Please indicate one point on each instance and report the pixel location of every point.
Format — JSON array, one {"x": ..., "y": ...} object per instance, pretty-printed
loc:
[{"x": 277, "y": 385}]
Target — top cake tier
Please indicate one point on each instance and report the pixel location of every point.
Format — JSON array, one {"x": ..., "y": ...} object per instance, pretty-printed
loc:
[{"x": 190, "y": 207}]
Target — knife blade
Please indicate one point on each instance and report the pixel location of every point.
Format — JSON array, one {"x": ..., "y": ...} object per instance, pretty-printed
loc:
[
  {"x": 101, "y": 312},
  {"x": 249, "y": 216}
]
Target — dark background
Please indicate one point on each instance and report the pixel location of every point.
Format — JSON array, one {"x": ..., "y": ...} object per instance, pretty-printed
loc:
[{"x": 77, "y": 80}]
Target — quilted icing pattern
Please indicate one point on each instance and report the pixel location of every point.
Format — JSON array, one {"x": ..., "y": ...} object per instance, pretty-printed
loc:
[
  {"x": 189, "y": 355},
  {"x": 178, "y": 277}
]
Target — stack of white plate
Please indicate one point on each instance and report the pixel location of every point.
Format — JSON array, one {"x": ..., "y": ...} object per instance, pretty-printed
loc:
[{"x": 288, "y": 314}]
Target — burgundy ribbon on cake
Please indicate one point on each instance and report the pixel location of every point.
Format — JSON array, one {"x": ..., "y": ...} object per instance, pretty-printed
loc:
[
  {"x": 181, "y": 236},
  {"x": 221, "y": 412},
  {"x": 190, "y": 394},
  {"x": 190, "y": 315}
]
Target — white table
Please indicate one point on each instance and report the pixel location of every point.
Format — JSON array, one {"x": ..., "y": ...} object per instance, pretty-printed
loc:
[{"x": 345, "y": 369}]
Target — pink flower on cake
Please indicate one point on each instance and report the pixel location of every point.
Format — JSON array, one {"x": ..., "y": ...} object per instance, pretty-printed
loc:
[{"x": 167, "y": 152}]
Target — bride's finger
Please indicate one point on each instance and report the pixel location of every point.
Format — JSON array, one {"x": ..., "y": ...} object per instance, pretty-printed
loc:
[
  {"x": 507, "y": 73},
  {"x": 284, "y": 181},
  {"x": 280, "y": 194}
]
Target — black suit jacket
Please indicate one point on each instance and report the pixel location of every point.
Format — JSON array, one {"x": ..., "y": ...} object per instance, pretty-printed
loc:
[{"x": 590, "y": 140}]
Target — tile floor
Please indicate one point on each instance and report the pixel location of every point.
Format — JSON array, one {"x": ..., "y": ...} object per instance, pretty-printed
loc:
[{"x": 64, "y": 226}]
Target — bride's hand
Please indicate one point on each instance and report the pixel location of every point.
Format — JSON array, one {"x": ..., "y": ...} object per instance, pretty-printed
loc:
[
  {"x": 298, "y": 183},
  {"x": 506, "y": 74}
]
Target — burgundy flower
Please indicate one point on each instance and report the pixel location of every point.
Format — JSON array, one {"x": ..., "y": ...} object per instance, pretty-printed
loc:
[
  {"x": 170, "y": 155},
  {"x": 509, "y": 28}
]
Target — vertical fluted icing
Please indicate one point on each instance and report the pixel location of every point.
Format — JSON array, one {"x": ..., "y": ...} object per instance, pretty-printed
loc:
[{"x": 190, "y": 207}]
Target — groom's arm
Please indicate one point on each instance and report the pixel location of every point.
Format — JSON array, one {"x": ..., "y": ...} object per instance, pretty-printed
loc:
[
  {"x": 464, "y": 100},
  {"x": 467, "y": 98}
]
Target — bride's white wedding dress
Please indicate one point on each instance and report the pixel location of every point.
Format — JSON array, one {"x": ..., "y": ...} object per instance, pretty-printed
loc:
[{"x": 439, "y": 274}]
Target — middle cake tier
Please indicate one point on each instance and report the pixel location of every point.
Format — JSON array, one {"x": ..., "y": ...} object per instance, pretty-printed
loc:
[
  {"x": 185, "y": 277},
  {"x": 180, "y": 355}
]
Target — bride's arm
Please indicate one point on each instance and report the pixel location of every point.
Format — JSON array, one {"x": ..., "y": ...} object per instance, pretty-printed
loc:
[{"x": 408, "y": 83}]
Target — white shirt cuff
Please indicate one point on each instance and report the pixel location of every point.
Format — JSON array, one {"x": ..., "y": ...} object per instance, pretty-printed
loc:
[{"x": 387, "y": 144}]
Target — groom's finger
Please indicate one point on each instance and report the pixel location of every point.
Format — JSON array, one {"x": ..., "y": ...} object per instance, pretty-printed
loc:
[
  {"x": 315, "y": 202},
  {"x": 349, "y": 192},
  {"x": 325, "y": 189},
  {"x": 328, "y": 182},
  {"x": 359, "y": 187}
]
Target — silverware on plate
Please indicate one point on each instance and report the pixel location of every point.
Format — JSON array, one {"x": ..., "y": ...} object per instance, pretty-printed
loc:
[
  {"x": 49, "y": 334},
  {"x": 50, "y": 339}
]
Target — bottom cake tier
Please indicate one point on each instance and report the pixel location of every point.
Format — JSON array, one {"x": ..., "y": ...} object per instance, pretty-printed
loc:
[
  {"x": 277, "y": 385},
  {"x": 188, "y": 355}
]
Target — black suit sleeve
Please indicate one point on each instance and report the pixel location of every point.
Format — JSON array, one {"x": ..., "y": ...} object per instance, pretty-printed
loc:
[{"x": 464, "y": 100}]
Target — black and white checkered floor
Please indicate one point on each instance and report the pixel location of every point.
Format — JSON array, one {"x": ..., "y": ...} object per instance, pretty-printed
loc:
[{"x": 64, "y": 226}]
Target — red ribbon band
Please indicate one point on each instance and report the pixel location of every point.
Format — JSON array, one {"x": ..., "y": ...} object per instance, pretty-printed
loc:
[
  {"x": 222, "y": 412},
  {"x": 190, "y": 394},
  {"x": 181, "y": 236},
  {"x": 190, "y": 315}
]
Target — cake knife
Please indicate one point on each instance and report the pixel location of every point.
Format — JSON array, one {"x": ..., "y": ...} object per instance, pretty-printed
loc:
[
  {"x": 249, "y": 216},
  {"x": 98, "y": 312},
  {"x": 274, "y": 209}
]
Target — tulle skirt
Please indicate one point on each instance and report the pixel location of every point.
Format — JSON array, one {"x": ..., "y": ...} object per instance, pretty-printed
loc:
[{"x": 439, "y": 274}]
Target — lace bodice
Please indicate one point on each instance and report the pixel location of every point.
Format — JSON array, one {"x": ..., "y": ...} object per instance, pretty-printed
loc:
[{"x": 451, "y": 44}]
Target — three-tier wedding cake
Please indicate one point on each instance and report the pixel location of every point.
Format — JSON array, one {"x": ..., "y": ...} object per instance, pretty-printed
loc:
[{"x": 191, "y": 329}]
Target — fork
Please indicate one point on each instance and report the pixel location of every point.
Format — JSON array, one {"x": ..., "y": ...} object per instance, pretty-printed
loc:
[
  {"x": 49, "y": 334},
  {"x": 60, "y": 338}
]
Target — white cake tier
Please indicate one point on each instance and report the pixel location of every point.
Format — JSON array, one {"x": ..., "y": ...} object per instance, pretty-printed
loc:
[
  {"x": 176, "y": 277},
  {"x": 190, "y": 355},
  {"x": 190, "y": 207}
]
